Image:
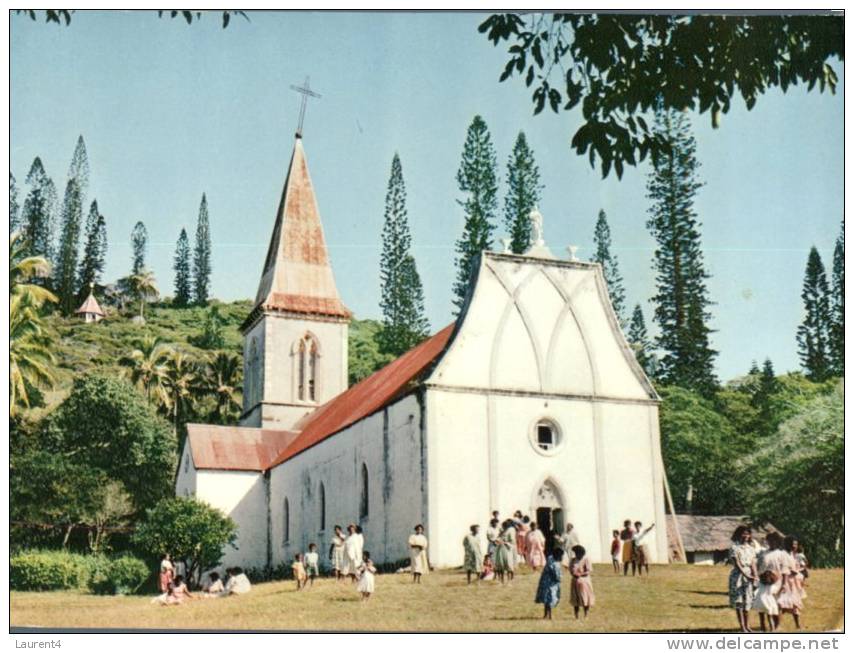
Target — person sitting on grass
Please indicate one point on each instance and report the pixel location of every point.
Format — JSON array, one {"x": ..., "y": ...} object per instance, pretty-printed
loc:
[
  {"x": 214, "y": 586},
  {"x": 581, "y": 595},
  {"x": 312, "y": 561},
  {"x": 366, "y": 573},
  {"x": 548, "y": 589},
  {"x": 488, "y": 572},
  {"x": 298, "y": 569},
  {"x": 175, "y": 594},
  {"x": 237, "y": 583}
]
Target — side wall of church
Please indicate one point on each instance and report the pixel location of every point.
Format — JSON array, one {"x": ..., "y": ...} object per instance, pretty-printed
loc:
[
  {"x": 273, "y": 373},
  {"x": 241, "y": 496},
  {"x": 388, "y": 445},
  {"x": 185, "y": 483}
]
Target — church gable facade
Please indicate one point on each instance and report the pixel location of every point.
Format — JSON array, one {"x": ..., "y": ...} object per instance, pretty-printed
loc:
[{"x": 532, "y": 400}]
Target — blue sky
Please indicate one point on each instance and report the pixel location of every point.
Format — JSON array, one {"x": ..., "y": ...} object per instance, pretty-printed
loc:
[{"x": 170, "y": 111}]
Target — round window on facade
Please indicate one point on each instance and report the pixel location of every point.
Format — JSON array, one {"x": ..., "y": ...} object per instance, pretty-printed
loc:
[{"x": 546, "y": 436}]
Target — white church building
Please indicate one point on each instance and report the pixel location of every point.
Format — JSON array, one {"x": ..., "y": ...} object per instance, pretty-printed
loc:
[{"x": 532, "y": 400}]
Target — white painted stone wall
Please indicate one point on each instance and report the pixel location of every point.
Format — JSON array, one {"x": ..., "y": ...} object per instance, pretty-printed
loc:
[
  {"x": 395, "y": 496},
  {"x": 276, "y": 336},
  {"x": 185, "y": 482}
]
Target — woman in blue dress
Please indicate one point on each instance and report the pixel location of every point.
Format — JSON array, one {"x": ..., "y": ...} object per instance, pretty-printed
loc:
[{"x": 548, "y": 589}]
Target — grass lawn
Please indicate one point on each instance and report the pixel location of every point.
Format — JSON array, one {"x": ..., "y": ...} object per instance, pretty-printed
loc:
[{"x": 674, "y": 598}]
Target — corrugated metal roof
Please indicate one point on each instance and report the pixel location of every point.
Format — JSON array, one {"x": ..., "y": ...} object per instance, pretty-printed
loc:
[
  {"x": 236, "y": 448},
  {"x": 367, "y": 396}
]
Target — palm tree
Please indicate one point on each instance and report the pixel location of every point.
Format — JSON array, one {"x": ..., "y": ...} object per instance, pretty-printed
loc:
[
  {"x": 145, "y": 287},
  {"x": 147, "y": 366},
  {"x": 222, "y": 380},
  {"x": 179, "y": 384},
  {"x": 30, "y": 357}
]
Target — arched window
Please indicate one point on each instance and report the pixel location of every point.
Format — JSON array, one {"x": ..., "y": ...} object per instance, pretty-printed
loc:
[
  {"x": 286, "y": 527},
  {"x": 322, "y": 507},
  {"x": 363, "y": 500},
  {"x": 306, "y": 352}
]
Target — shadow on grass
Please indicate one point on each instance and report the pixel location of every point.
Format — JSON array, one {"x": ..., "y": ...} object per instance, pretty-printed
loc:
[
  {"x": 698, "y": 631},
  {"x": 704, "y": 592},
  {"x": 709, "y": 607}
]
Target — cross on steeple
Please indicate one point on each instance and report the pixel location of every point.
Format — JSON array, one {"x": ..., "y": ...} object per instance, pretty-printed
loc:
[{"x": 306, "y": 91}]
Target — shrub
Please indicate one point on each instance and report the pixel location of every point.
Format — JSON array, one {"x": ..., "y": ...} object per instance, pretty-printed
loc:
[
  {"x": 124, "y": 575},
  {"x": 48, "y": 570}
]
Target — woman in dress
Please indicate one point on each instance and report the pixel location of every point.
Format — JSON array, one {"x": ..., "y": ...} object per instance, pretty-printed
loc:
[
  {"x": 522, "y": 529},
  {"x": 366, "y": 573},
  {"x": 743, "y": 577},
  {"x": 167, "y": 572},
  {"x": 548, "y": 589},
  {"x": 418, "y": 554},
  {"x": 627, "y": 536},
  {"x": 581, "y": 595},
  {"x": 505, "y": 560},
  {"x": 536, "y": 548},
  {"x": 336, "y": 553},
  {"x": 790, "y": 598},
  {"x": 352, "y": 553},
  {"x": 773, "y": 566},
  {"x": 472, "y": 555}
]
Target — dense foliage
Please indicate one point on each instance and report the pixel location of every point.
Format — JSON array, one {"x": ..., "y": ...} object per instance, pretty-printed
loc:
[
  {"x": 94, "y": 252},
  {"x": 618, "y": 66},
  {"x": 190, "y": 530},
  {"x": 48, "y": 570}
]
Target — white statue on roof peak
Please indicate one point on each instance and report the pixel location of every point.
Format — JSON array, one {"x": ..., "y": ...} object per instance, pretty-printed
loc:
[{"x": 538, "y": 246}]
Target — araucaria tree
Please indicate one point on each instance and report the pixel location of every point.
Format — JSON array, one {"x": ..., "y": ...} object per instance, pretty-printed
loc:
[
  {"x": 202, "y": 257},
  {"x": 37, "y": 216},
  {"x": 478, "y": 180},
  {"x": 94, "y": 251},
  {"x": 681, "y": 301},
  {"x": 814, "y": 332},
  {"x": 401, "y": 295},
  {"x": 14, "y": 208},
  {"x": 182, "y": 270},
  {"x": 608, "y": 261},
  {"x": 523, "y": 194},
  {"x": 639, "y": 341},
  {"x": 65, "y": 272},
  {"x": 138, "y": 243},
  {"x": 836, "y": 345}
]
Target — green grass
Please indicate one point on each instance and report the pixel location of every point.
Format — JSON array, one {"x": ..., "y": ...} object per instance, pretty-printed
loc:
[{"x": 674, "y": 598}]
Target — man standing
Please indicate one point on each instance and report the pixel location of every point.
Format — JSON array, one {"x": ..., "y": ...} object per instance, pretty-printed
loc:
[
  {"x": 641, "y": 550},
  {"x": 418, "y": 554},
  {"x": 473, "y": 561}
]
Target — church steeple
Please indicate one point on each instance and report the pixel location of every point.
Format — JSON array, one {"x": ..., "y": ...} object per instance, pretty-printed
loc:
[
  {"x": 297, "y": 276},
  {"x": 295, "y": 337}
]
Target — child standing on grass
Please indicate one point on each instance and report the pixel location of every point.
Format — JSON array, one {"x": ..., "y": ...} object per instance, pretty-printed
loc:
[
  {"x": 299, "y": 571},
  {"x": 581, "y": 595},
  {"x": 615, "y": 551},
  {"x": 366, "y": 576},
  {"x": 548, "y": 589},
  {"x": 312, "y": 560}
]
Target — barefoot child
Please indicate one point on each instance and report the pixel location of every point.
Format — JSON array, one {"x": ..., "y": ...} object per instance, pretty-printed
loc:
[
  {"x": 615, "y": 551},
  {"x": 299, "y": 571},
  {"x": 366, "y": 576},
  {"x": 548, "y": 589},
  {"x": 312, "y": 560},
  {"x": 581, "y": 595}
]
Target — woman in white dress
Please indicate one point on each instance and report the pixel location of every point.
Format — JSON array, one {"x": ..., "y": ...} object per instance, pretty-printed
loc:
[
  {"x": 366, "y": 573},
  {"x": 336, "y": 553},
  {"x": 418, "y": 554},
  {"x": 352, "y": 553},
  {"x": 773, "y": 566}
]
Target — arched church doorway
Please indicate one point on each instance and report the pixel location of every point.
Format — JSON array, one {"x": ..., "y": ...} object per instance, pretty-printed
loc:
[{"x": 548, "y": 508}]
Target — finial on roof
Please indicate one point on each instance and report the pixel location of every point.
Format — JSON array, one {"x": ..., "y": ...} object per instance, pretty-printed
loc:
[
  {"x": 572, "y": 249},
  {"x": 538, "y": 246},
  {"x": 505, "y": 243}
]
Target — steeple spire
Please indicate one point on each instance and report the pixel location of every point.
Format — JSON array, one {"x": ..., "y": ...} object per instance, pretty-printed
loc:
[{"x": 297, "y": 276}]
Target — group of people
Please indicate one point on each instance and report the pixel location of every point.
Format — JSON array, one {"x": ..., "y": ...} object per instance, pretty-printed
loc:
[
  {"x": 628, "y": 547},
  {"x": 511, "y": 542},
  {"x": 581, "y": 585},
  {"x": 174, "y": 590},
  {"x": 348, "y": 559},
  {"x": 769, "y": 580}
]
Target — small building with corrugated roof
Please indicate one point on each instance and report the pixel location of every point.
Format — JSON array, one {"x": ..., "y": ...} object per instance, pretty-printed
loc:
[{"x": 531, "y": 400}]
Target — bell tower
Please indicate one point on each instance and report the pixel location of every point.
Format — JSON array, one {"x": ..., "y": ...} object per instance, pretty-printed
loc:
[{"x": 295, "y": 337}]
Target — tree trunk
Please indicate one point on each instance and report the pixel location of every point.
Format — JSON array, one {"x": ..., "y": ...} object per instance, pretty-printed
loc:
[{"x": 67, "y": 535}]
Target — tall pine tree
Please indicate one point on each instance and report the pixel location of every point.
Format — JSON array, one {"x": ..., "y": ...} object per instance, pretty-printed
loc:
[
  {"x": 639, "y": 341},
  {"x": 761, "y": 399},
  {"x": 79, "y": 168},
  {"x": 681, "y": 301},
  {"x": 37, "y": 217},
  {"x": 138, "y": 243},
  {"x": 836, "y": 345},
  {"x": 401, "y": 294},
  {"x": 523, "y": 194},
  {"x": 183, "y": 288},
  {"x": 14, "y": 208},
  {"x": 608, "y": 261},
  {"x": 814, "y": 332},
  {"x": 202, "y": 256},
  {"x": 92, "y": 265},
  {"x": 65, "y": 270}
]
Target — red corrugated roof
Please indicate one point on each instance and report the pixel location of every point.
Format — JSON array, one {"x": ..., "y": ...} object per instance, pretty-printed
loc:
[
  {"x": 367, "y": 396},
  {"x": 236, "y": 448}
]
